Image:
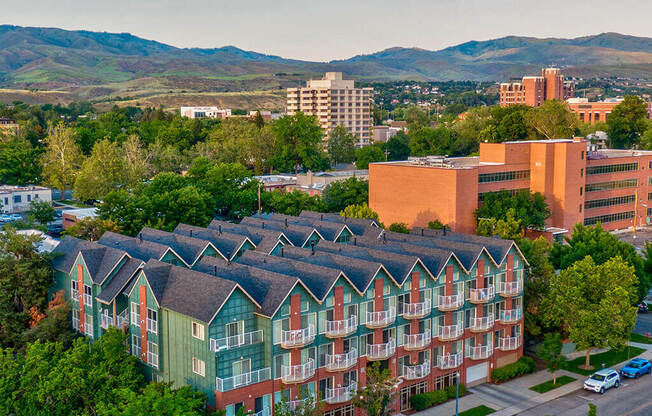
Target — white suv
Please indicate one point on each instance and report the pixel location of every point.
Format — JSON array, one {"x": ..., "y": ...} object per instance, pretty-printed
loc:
[{"x": 602, "y": 380}]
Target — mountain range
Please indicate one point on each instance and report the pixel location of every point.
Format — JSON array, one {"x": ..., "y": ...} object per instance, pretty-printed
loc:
[{"x": 49, "y": 58}]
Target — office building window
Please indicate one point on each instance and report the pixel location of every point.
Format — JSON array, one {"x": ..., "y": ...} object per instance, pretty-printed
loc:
[
  {"x": 607, "y": 202},
  {"x": 619, "y": 216},
  {"x": 608, "y": 186},
  {"x": 620, "y": 167},
  {"x": 503, "y": 176}
]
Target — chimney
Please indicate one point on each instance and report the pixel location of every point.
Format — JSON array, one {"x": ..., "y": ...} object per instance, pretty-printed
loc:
[
  {"x": 263, "y": 225},
  {"x": 422, "y": 232},
  {"x": 321, "y": 217},
  {"x": 355, "y": 241},
  {"x": 286, "y": 223}
]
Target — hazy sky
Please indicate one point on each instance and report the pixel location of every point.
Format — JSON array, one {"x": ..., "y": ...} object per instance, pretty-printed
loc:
[{"x": 336, "y": 29}]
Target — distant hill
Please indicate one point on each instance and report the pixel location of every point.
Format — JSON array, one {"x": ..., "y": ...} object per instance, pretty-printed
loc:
[{"x": 98, "y": 64}]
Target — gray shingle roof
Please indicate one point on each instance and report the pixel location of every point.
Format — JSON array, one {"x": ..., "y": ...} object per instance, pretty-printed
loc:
[
  {"x": 188, "y": 248},
  {"x": 264, "y": 239},
  {"x": 66, "y": 253},
  {"x": 136, "y": 247},
  {"x": 297, "y": 234},
  {"x": 357, "y": 225},
  {"x": 328, "y": 229},
  {"x": 120, "y": 280},
  {"x": 226, "y": 243},
  {"x": 101, "y": 260}
]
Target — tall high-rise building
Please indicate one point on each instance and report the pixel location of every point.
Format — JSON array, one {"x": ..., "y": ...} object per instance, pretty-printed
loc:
[
  {"x": 534, "y": 90},
  {"x": 334, "y": 101}
]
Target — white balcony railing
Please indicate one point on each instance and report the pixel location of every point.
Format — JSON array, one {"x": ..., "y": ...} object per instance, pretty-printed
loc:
[
  {"x": 345, "y": 327},
  {"x": 74, "y": 294},
  {"x": 235, "y": 341},
  {"x": 509, "y": 343},
  {"x": 482, "y": 324},
  {"x": 297, "y": 337},
  {"x": 241, "y": 380},
  {"x": 510, "y": 315},
  {"x": 415, "y": 372},
  {"x": 264, "y": 412},
  {"x": 481, "y": 352},
  {"x": 381, "y": 351},
  {"x": 510, "y": 288},
  {"x": 123, "y": 318},
  {"x": 298, "y": 373},
  {"x": 448, "y": 361},
  {"x": 483, "y": 295},
  {"x": 341, "y": 394},
  {"x": 381, "y": 318},
  {"x": 416, "y": 341},
  {"x": 449, "y": 332},
  {"x": 340, "y": 362},
  {"x": 416, "y": 310},
  {"x": 450, "y": 302},
  {"x": 106, "y": 321}
]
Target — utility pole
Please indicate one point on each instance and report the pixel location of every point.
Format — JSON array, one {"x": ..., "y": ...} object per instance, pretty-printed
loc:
[
  {"x": 635, "y": 214},
  {"x": 259, "y": 184}
]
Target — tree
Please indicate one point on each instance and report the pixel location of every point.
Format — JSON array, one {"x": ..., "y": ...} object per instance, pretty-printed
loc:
[
  {"x": 428, "y": 141},
  {"x": 399, "y": 227},
  {"x": 101, "y": 173},
  {"x": 377, "y": 396},
  {"x": 361, "y": 211},
  {"x": 156, "y": 399},
  {"x": 508, "y": 228},
  {"x": 135, "y": 160},
  {"x": 552, "y": 120},
  {"x": 627, "y": 122},
  {"x": 530, "y": 208},
  {"x": 91, "y": 228},
  {"x": 62, "y": 159},
  {"x": 369, "y": 154},
  {"x": 415, "y": 118},
  {"x": 19, "y": 162},
  {"x": 602, "y": 246},
  {"x": 306, "y": 404},
  {"x": 258, "y": 120},
  {"x": 164, "y": 157},
  {"x": 593, "y": 410},
  {"x": 298, "y": 142},
  {"x": 398, "y": 147},
  {"x": 41, "y": 211},
  {"x": 341, "y": 145},
  {"x": 436, "y": 225},
  {"x": 291, "y": 203},
  {"x": 550, "y": 351},
  {"x": 593, "y": 302},
  {"x": 537, "y": 283},
  {"x": 340, "y": 194}
]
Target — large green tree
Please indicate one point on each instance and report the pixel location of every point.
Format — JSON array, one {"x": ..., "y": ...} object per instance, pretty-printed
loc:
[
  {"x": 62, "y": 159},
  {"x": 338, "y": 195},
  {"x": 41, "y": 211},
  {"x": 102, "y": 172},
  {"x": 369, "y": 154},
  {"x": 530, "y": 208},
  {"x": 398, "y": 147},
  {"x": 627, "y": 122},
  {"x": 291, "y": 203},
  {"x": 378, "y": 394},
  {"x": 550, "y": 352},
  {"x": 552, "y": 120},
  {"x": 298, "y": 143},
  {"x": 341, "y": 145},
  {"x": 361, "y": 211},
  {"x": 19, "y": 162}
]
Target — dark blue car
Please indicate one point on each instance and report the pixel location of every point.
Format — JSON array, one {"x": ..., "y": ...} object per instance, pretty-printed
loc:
[{"x": 636, "y": 368}]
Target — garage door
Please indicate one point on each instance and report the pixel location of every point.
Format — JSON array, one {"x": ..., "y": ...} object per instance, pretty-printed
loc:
[{"x": 477, "y": 373}]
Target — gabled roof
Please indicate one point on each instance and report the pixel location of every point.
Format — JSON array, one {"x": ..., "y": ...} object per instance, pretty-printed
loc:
[
  {"x": 188, "y": 248},
  {"x": 136, "y": 247},
  {"x": 227, "y": 244},
  {"x": 188, "y": 292},
  {"x": 297, "y": 234},
  {"x": 101, "y": 261},
  {"x": 328, "y": 229},
  {"x": 357, "y": 225},
  {"x": 267, "y": 288},
  {"x": 120, "y": 280},
  {"x": 265, "y": 240},
  {"x": 65, "y": 254}
]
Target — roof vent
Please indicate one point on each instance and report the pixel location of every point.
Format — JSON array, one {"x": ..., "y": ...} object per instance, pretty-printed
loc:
[
  {"x": 422, "y": 232},
  {"x": 191, "y": 233},
  {"x": 215, "y": 270},
  {"x": 219, "y": 228},
  {"x": 282, "y": 252},
  {"x": 355, "y": 241},
  {"x": 444, "y": 231},
  {"x": 263, "y": 224},
  {"x": 321, "y": 217},
  {"x": 286, "y": 223},
  {"x": 140, "y": 237}
]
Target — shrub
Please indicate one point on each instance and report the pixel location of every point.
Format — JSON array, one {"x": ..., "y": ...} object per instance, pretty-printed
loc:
[
  {"x": 524, "y": 365},
  {"x": 432, "y": 398},
  {"x": 450, "y": 391}
]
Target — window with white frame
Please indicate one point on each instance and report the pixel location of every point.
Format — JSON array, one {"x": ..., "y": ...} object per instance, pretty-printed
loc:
[
  {"x": 152, "y": 322},
  {"x": 135, "y": 345},
  {"x": 75, "y": 319},
  {"x": 135, "y": 314},
  {"x": 198, "y": 330},
  {"x": 198, "y": 366},
  {"x": 152, "y": 354},
  {"x": 88, "y": 295},
  {"x": 88, "y": 325},
  {"x": 74, "y": 293}
]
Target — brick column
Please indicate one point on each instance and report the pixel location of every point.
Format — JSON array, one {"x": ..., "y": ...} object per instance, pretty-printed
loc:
[
  {"x": 142, "y": 291},
  {"x": 378, "y": 306},
  {"x": 479, "y": 284},
  {"x": 338, "y": 315},
  {"x": 448, "y": 315},
  {"x": 414, "y": 323},
  {"x": 80, "y": 295},
  {"x": 509, "y": 277},
  {"x": 295, "y": 323}
]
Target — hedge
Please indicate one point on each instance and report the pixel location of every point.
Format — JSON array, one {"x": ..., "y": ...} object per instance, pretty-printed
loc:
[
  {"x": 432, "y": 398},
  {"x": 524, "y": 365}
]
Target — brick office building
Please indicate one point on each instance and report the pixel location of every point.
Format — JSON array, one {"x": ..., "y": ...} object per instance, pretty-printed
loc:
[
  {"x": 245, "y": 311},
  {"x": 579, "y": 185},
  {"x": 534, "y": 90},
  {"x": 593, "y": 112}
]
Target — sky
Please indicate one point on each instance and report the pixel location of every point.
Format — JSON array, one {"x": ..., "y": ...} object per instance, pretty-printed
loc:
[{"x": 324, "y": 30}]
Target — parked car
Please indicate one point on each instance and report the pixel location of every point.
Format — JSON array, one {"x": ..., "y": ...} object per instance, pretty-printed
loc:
[
  {"x": 602, "y": 380},
  {"x": 636, "y": 368},
  {"x": 642, "y": 307},
  {"x": 10, "y": 217}
]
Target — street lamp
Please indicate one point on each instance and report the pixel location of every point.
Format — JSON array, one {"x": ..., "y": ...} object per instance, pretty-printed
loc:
[{"x": 457, "y": 392}]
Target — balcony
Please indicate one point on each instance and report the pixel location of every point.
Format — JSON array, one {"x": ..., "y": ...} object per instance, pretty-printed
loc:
[
  {"x": 291, "y": 374},
  {"x": 413, "y": 342},
  {"x": 241, "y": 380},
  {"x": 509, "y": 289},
  {"x": 343, "y": 328},
  {"x": 123, "y": 319},
  {"x": 509, "y": 343},
  {"x": 377, "y": 352},
  {"x": 296, "y": 338},
  {"x": 106, "y": 321},
  {"x": 415, "y": 372},
  {"x": 449, "y": 361},
  {"x": 450, "y": 302},
  {"x": 380, "y": 319},
  {"x": 264, "y": 412},
  {"x": 482, "y": 324},
  {"x": 509, "y": 316},
  {"x": 449, "y": 332},
  {"x": 481, "y": 352},
  {"x": 341, "y": 362},
  {"x": 483, "y": 295},
  {"x": 416, "y": 310},
  {"x": 341, "y": 394},
  {"x": 235, "y": 341}
]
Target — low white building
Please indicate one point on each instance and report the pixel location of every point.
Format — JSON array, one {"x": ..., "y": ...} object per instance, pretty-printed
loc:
[
  {"x": 205, "y": 112},
  {"x": 17, "y": 198}
]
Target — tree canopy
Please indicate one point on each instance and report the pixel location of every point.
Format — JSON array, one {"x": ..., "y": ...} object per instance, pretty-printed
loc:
[
  {"x": 341, "y": 145},
  {"x": 529, "y": 208},
  {"x": 340, "y": 194},
  {"x": 627, "y": 122}
]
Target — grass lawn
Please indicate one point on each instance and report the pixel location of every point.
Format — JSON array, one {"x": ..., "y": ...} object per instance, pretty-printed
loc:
[
  {"x": 607, "y": 358},
  {"x": 640, "y": 338},
  {"x": 478, "y": 411},
  {"x": 547, "y": 386}
]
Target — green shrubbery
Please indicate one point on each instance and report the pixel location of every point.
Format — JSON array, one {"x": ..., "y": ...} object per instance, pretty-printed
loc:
[
  {"x": 524, "y": 365},
  {"x": 433, "y": 398}
]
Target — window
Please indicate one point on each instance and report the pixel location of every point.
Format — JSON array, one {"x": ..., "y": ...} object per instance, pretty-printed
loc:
[
  {"x": 152, "y": 323},
  {"x": 581, "y": 172},
  {"x": 88, "y": 295},
  {"x": 88, "y": 325},
  {"x": 503, "y": 176},
  {"x": 580, "y": 207},
  {"x": 198, "y": 330},
  {"x": 17, "y": 199},
  {"x": 608, "y": 186},
  {"x": 581, "y": 191},
  {"x": 607, "y": 202},
  {"x": 135, "y": 314},
  {"x": 582, "y": 156},
  {"x": 620, "y": 167},
  {"x": 619, "y": 216},
  {"x": 74, "y": 293},
  {"x": 198, "y": 366},
  {"x": 135, "y": 345},
  {"x": 152, "y": 354},
  {"x": 75, "y": 319}
]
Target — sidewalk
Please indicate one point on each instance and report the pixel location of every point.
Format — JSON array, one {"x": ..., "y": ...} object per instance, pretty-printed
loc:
[{"x": 514, "y": 397}]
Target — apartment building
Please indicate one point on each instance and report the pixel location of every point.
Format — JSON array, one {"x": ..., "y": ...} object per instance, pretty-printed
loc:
[
  {"x": 17, "y": 198},
  {"x": 205, "y": 112},
  {"x": 593, "y": 112},
  {"x": 581, "y": 184},
  {"x": 7, "y": 123},
  {"x": 248, "y": 312},
  {"x": 335, "y": 102},
  {"x": 534, "y": 90}
]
